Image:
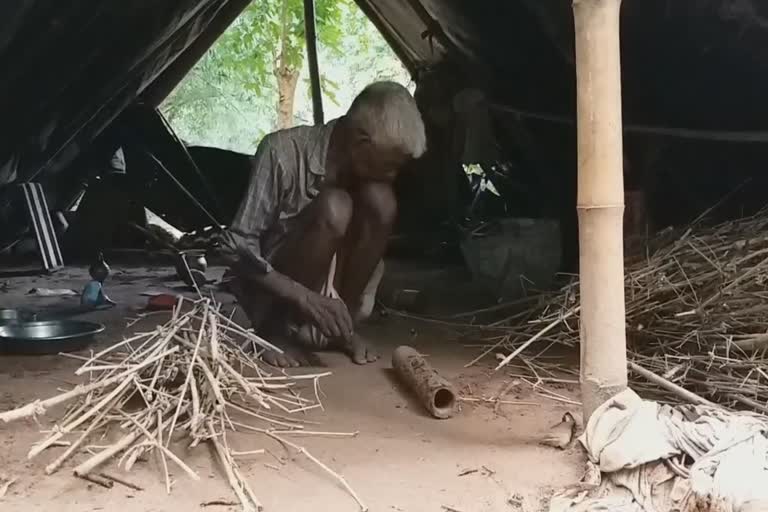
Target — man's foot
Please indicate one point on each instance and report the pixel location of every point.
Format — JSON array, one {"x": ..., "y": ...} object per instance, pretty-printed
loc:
[
  {"x": 360, "y": 350},
  {"x": 293, "y": 356}
]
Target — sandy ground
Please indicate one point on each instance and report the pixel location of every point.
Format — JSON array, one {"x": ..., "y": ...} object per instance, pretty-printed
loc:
[{"x": 402, "y": 460}]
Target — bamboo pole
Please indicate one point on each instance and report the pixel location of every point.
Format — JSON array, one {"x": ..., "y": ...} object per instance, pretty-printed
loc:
[
  {"x": 673, "y": 388},
  {"x": 314, "y": 70},
  {"x": 600, "y": 202}
]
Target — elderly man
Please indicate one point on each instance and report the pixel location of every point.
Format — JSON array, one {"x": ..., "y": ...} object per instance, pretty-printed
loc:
[{"x": 315, "y": 220}]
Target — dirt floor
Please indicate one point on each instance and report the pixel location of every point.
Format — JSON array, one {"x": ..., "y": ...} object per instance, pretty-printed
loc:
[{"x": 402, "y": 460}]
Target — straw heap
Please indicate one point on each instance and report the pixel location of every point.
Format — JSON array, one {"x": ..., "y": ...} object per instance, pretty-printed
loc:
[
  {"x": 697, "y": 315},
  {"x": 187, "y": 381}
]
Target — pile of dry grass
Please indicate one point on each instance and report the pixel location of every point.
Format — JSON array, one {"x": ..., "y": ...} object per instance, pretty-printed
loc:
[{"x": 697, "y": 316}]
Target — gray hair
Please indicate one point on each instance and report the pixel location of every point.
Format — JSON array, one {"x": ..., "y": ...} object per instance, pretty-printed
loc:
[{"x": 388, "y": 114}]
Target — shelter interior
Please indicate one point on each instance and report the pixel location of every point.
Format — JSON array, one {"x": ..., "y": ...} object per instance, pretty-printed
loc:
[{"x": 495, "y": 82}]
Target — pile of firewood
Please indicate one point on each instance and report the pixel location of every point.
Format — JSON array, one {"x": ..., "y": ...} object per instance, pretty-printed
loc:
[
  {"x": 696, "y": 317},
  {"x": 190, "y": 381}
]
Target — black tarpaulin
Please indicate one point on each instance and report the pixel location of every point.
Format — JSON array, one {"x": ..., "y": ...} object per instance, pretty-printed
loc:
[
  {"x": 70, "y": 68},
  {"x": 694, "y": 64}
]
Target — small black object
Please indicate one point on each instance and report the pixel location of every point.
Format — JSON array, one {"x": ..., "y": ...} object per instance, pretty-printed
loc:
[
  {"x": 99, "y": 270},
  {"x": 193, "y": 272},
  {"x": 49, "y": 337}
]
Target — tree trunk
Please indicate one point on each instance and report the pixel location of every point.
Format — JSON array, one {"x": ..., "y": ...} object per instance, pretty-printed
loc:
[
  {"x": 287, "y": 74},
  {"x": 600, "y": 201},
  {"x": 287, "y": 79}
]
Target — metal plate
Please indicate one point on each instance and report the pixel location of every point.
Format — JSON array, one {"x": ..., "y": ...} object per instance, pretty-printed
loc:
[{"x": 49, "y": 337}]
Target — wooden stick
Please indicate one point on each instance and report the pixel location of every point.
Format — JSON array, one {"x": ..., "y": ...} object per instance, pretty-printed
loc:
[
  {"x": 492, "y": 309},
  {"x": 218, "y": 503},
  {"x": 237, "y": 485},
  {"x": 315, "y": 433},
  {"x": 153, "y": 441},
  {"x": 131, "y": 455},
  {"x": 246, "y": 487},
  {"x": 55, "y": 465},
  {"x": 121, "y": 481},
  {"x": 76, "y": 410},
  {"x": 80, "y": 358},
  {"x": 316, "y": 389},
  {"x": 109, "y": 399},
  {"x": 153, "y": 382},
  {"x": 190, "y": 374},
  {"x": 39, "y": 407},
  {"x": 341, "y": 480},
  {"x": 750, "y": 403},
  {"x": 163, "y": 461},
  {"x": 168, "y": 453},
  {"x": 561, "y": 399},
  {"x": 191, "y": 277},
  {"x": 232, "y": 326},
  {"x": 308, "y": 376},
  {"x": 214, "y": 337},
  {"x": 244, "y": 454},
  {"x": 7, "y": 485},
  {"x": 113, "y": 347},
  {"x": 673, "y": 388},
  {"x": 197, "y": 419},
  {"x": 98, "y": 480},
  {"x": 221, "y": 402},
  {"x": 541, "y": 333},
  {"x": 495, "y": 401},
  {"x": 249, "y": 412},
  {"x": 106, "y": 454},
  {"x": 503, "y": 341},
  {"x": 250, "y": 389}
]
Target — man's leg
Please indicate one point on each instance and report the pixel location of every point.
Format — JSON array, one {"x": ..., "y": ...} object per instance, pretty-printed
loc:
[
  {"x": 305, "y": 256},
  {"x": 374, "y": 213}
]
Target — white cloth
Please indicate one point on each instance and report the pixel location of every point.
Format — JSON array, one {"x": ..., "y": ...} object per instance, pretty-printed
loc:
[
  {"x": 634, "y": 443},
  {"x": 117, "y": 162}
]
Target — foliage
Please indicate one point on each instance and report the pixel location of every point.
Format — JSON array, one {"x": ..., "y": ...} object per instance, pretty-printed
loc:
[
  {"x": 272, "y": 30},
  {"x": 229, "y": 98}
]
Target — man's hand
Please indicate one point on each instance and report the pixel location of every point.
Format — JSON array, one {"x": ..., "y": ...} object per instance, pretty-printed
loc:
[{"x": 331, "y": 316}]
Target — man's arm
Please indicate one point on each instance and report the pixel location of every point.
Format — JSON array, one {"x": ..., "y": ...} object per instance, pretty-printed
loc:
[{"x": 259, "y": 209}]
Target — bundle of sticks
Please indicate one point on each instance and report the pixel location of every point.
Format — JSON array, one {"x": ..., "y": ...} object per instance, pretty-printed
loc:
[
  {"x": 696, "y": 313},
  {"x": 189, "y": 381}
]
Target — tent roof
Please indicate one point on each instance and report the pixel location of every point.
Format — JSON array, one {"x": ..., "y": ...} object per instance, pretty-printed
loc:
[
  {"x": 69, "y": 69},
  {"x": 687, "y": 64}
]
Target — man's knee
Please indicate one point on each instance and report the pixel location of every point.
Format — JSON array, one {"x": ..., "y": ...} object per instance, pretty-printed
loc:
[
  {"x": 378, "y": 202},
  {"x": 333, "y": 210}
]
